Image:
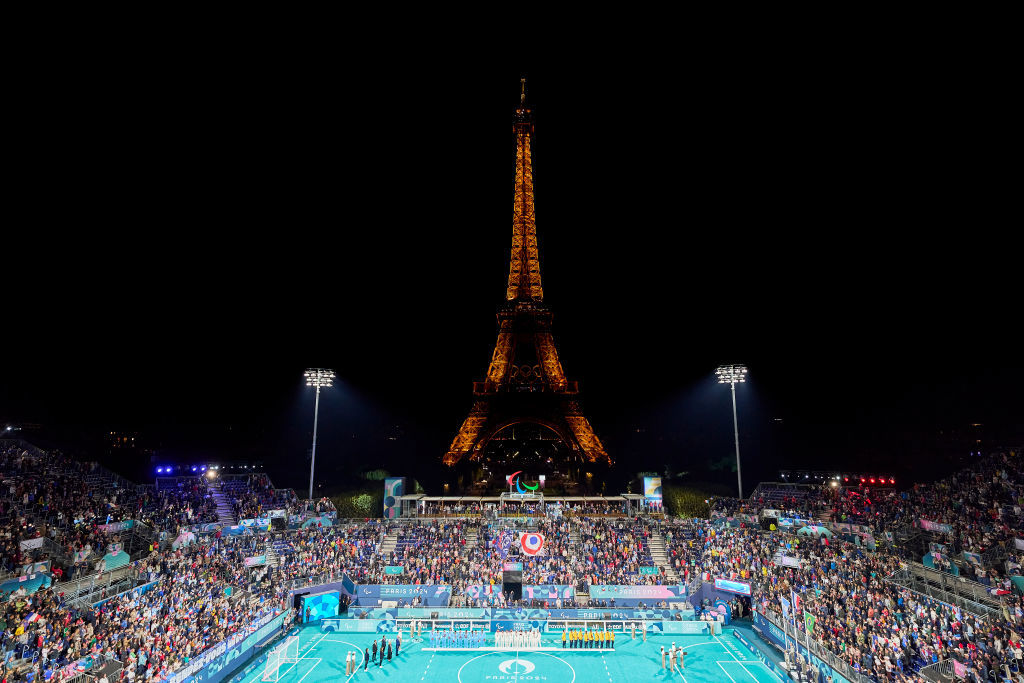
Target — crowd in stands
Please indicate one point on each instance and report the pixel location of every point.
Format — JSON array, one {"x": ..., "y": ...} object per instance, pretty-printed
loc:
[
  {"x": 255, "y": 496},
  {"x": 874, "y": 625},
  {"x": 331, "y": 551},
  {"x": 153, "y": 634}
]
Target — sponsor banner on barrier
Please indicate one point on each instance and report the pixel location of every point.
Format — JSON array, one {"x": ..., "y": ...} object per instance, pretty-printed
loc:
[
  {"x": 115, "y": 527},
  {"x": 477, "y": 592},
  {"x": 373, "y": 613},
  {"x": 526, "y": 625},
  {"x": 973, "y": 558},
  {"x": 762, "y": 656},
  {"x": 1018, "y": 543},
  {"x": 786, "y": 561},
  {"x": 774, "y": 634},
  {"x": 433, "y": 596},
  {"x": 209, "y": 667},
  {"x": 608, "y": 592},
  {"x": 549, "y": 592},
  {"x": 255, "y": 560},
  {"x": 349, "y": 625},
  {"x": 261, "y": 523},
  {"x": 35, "y": 567},
  {"x": 689, "y": 627},
  {"x": 649, "y": 570},
  {"x": 444, "y": 612},
  {"x": 937, "y": 527},
  {"x": 394, "y": 569},
  {"x": 730, "y": 586},
  {"x": 32, "y": 543},
  {"x": 738, "y": 518}
]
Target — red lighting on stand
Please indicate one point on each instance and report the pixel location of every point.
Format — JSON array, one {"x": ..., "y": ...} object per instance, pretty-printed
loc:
[{"x": 872, "y": 480}]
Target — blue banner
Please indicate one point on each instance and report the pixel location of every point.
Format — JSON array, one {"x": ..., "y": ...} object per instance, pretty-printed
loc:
[
  {"x": 501, "y": 625},
  {"x": 549, "y": 592},
  {"x": 372, "y": 613},
  {"x": 349, "y": 625},
  {"x": 730, "y": 586},
  {"x": 445, "y": 612},
  {"x": 261, "y": 523},
  {"x": 631, "y": 595},
  {"x": 219, "y": 661},
  {"x": 775, "y": 635},
  {"x": 432, "y": 596}
]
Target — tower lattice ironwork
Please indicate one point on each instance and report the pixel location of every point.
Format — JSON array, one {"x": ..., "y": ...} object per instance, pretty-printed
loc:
[{"x": 525, "y": 382}]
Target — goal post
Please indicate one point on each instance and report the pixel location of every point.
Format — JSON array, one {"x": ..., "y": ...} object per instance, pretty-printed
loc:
[
  {"x": 285, "y": 653},
  {"x": 290, "y": 648}
]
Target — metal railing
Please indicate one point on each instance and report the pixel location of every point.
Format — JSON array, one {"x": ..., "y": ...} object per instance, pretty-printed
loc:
[
  {"x": 81, "y": 590},
  {"x": 816, "y": 649},
  {"x": 939, "y": 672},
  {"x": 994, "y": 555},
  {"x": 953, "y": 590}
]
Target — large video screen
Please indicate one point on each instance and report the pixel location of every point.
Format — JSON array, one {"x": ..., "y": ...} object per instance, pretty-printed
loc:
[{"x": 652, "y": 488}]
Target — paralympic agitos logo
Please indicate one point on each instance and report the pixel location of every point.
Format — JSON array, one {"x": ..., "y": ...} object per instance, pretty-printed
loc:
[{"x": 514, "y": 478}]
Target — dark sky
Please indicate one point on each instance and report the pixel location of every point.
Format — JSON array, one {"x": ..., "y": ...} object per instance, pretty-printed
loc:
[{"x": 186, "y": 239}]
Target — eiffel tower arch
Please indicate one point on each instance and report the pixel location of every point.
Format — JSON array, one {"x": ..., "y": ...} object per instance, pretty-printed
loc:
[{"x": 525, "y": 398}]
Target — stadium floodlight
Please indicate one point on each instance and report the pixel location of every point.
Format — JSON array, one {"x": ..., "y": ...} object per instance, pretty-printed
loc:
[
  {"x": 731, "y": 375},
  {"x": 316, "y": 377}
]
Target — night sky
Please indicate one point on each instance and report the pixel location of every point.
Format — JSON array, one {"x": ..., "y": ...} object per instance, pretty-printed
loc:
[{"x": 188, "y": 242}]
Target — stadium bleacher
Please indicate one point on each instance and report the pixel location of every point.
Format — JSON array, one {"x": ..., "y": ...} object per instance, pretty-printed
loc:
[{"x": 875, "y": 611}]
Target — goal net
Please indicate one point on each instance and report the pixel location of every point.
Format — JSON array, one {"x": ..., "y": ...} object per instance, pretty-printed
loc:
[{"x": 285, "y": 653}]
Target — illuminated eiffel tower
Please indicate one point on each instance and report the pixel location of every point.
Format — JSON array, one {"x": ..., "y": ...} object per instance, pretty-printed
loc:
[{"x": 525, "y": 384}]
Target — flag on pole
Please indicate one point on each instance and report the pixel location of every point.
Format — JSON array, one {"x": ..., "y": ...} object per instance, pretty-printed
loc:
[
  {"x": 809, "y": 621},
  {"x": 785, "y": 607}
]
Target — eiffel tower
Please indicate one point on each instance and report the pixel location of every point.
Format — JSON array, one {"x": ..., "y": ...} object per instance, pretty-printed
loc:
[{"x": 525, "y": 384}]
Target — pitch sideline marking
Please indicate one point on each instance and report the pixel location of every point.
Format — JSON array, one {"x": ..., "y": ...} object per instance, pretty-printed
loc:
[
  {"x": 737, "y": 661},
  {"x": 318, "y": 660},
  {"x": 725, "y": 672}
]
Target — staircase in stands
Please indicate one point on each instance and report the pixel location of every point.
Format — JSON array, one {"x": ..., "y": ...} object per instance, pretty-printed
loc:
[
  {"x": 659, "y": 552},
  {"x": 225, "y": 508},
  {"x": 387, "y": 546}
]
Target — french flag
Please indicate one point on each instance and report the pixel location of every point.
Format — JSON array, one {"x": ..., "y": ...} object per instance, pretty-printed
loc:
[{"x": 32, "y": 618}]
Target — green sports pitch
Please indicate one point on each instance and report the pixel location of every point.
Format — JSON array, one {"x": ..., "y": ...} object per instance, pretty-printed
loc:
[{"x": 321, "y": 658}]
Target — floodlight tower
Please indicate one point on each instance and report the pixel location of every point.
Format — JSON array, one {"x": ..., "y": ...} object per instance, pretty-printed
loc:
[
  {"x": 731, "y": 374},
  {"x": 316, "y": 377}
]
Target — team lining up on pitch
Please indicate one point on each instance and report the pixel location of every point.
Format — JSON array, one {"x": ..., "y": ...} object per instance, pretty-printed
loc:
[{"x": 325, "y": 654}]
